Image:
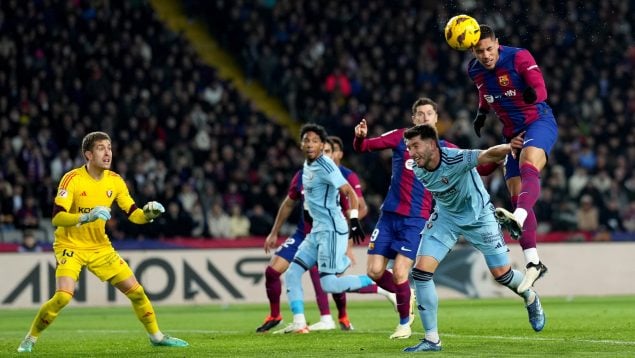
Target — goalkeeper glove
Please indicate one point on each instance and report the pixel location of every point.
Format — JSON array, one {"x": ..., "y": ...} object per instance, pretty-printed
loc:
[
  {"x": 356, "y": 232},
  {"x": 529, "y": 95},
  {"x": 98, "y": 212},
  {"x": 479, "y": 121},
  {"x": 152, "y": 210}
]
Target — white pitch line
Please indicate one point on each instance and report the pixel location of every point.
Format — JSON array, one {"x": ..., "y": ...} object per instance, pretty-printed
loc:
[{"x": 509, "y": 338}]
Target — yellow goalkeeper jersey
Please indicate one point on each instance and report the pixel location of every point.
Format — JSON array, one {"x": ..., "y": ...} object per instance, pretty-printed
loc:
[{"x": 78, "y": 193}]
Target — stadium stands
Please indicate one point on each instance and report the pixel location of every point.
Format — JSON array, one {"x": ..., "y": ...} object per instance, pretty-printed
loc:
[{"x": 183, "y": 135}]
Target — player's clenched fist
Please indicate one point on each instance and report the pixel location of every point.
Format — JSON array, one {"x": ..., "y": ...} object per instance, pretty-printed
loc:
[{"x": 361, "y": 130}]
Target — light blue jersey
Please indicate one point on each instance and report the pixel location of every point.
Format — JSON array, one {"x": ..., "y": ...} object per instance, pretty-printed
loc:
[
  {"x": 456, "y": 186},
  {"x": 321, "y": 180}
]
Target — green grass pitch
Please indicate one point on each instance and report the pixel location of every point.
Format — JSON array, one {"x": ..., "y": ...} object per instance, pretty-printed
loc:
[{"x": 577, "y": 327}]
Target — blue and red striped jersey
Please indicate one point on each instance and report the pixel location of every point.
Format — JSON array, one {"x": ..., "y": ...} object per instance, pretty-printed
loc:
[{"x": 501, "y": 89}]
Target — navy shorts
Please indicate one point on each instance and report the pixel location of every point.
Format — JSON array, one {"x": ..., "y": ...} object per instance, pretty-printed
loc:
[{"x": 395, "y": 234}]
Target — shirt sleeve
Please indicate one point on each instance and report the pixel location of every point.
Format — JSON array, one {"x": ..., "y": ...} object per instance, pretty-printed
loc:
[
  {"x": 123, "y": 198},
  {"x": 295, "y": 190},
  {"x": 388, "y": 140},
  {"x": 527, "y": 68}
]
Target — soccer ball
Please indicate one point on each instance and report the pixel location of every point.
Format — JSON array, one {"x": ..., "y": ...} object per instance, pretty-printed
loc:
[{"x": 462, "y": 32}]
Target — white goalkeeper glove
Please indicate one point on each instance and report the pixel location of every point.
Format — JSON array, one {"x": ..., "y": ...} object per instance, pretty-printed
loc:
[
  {"x": 152, "y": 210},
  {"x": 98, "y": 212}
]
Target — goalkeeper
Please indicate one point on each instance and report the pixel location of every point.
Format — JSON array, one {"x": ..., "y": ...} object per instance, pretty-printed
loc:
[{"x": 81, "y": 209}]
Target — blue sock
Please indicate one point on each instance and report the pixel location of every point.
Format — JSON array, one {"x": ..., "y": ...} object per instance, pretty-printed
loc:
[
  {"x": 427, "y": 299},
  {"x": 333, "y": 284},
  {"x": 295, "y": 292}
]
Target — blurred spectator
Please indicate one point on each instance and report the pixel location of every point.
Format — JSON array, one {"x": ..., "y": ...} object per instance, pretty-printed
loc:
[
  {"x": 218, "y": 222},
  {"x": 588, "y": 214},
  {"x": 28, "y": 216},
  {"x": 198, "y": 218},
  {"x": 260, "y": 221},
  {"x": 238, "y": 223},
  {"x": 610, "y": 217},
  {"x": 175, "y": 222},
  {"x": 29, "y": 243}
]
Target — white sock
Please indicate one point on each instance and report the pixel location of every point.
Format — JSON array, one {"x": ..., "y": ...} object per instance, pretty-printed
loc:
[
  {"x": 531, "y": 255},
  {"x": 433, "y": 337},
  {"x": 326, "y": 318},
  {"x": 156, "y": 337},
  {"x": 520, "y": 214},
  {"x": 531, "y": 298},
  {"x": 299, "y": 318}
]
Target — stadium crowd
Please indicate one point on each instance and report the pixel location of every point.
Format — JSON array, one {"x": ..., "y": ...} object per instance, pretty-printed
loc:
[
  {"x": 221, "y": 167},
  {"x": 336, "y": 62}
]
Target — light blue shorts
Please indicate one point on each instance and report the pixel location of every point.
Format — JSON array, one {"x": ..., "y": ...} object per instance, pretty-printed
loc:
[
  {"x": 441, "y": 234},
  {"x": 328, "y": 249}
]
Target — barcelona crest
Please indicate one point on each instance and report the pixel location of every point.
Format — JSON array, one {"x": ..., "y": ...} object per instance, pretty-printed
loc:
[{"x": 503, "y": 80}]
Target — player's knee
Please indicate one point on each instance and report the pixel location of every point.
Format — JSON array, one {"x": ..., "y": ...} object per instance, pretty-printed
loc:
[
  {"x": 375, "y": 273},
  {"x": 329, "y": 283},
  {"x": 136, "y": 294},
  {"x": 294, "y": 273},
  {"x": 61, "y": 298}
]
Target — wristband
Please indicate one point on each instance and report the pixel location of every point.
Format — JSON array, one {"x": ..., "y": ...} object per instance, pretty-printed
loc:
[{"x": 353, "y": 214}]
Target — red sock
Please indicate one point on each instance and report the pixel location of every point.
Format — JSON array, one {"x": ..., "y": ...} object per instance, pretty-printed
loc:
[
  {"x": 528, "y": 238},
  {"x": 403, "y": 301},
  {"x": 321, "y": 297},
  {"x": 385, "y": 282},
  {"x": 529, "y": 187},
  {"x": 368, "y": 289},
  {"x": 274, "y": 289},
  {"x": 340, "y": 303}
]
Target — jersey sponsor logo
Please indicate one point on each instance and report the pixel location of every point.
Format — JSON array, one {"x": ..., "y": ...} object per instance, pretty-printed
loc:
[
  {"x": 410, "y": 163},
  {"x": 450, "y": 192},
  {"x": 62, "y": 193},
  {"x": 109, "y": 193},
  {"x": 510, "y": 93},
  {"x": 503, "y": 80}
]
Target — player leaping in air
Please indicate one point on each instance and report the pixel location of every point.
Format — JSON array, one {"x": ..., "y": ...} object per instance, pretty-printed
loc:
[{"x": 510, "y": 82}]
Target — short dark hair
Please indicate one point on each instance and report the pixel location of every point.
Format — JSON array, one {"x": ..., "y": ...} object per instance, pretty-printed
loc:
[
  {"x": 330, "y": 142},
  {"x": 422, "y": 101},
  {"x": 425, "y": 131},
  {"x": 315, "y": 128},
  {"x": 89, "y": 140},
  {"x": 337, "y": 140},
  {"x": 487, "y": 32}
]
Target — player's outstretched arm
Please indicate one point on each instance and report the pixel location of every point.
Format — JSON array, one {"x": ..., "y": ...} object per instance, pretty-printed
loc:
[
  {"x": 285, "y": 209},
  {"x": 498, "y": 152}
]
